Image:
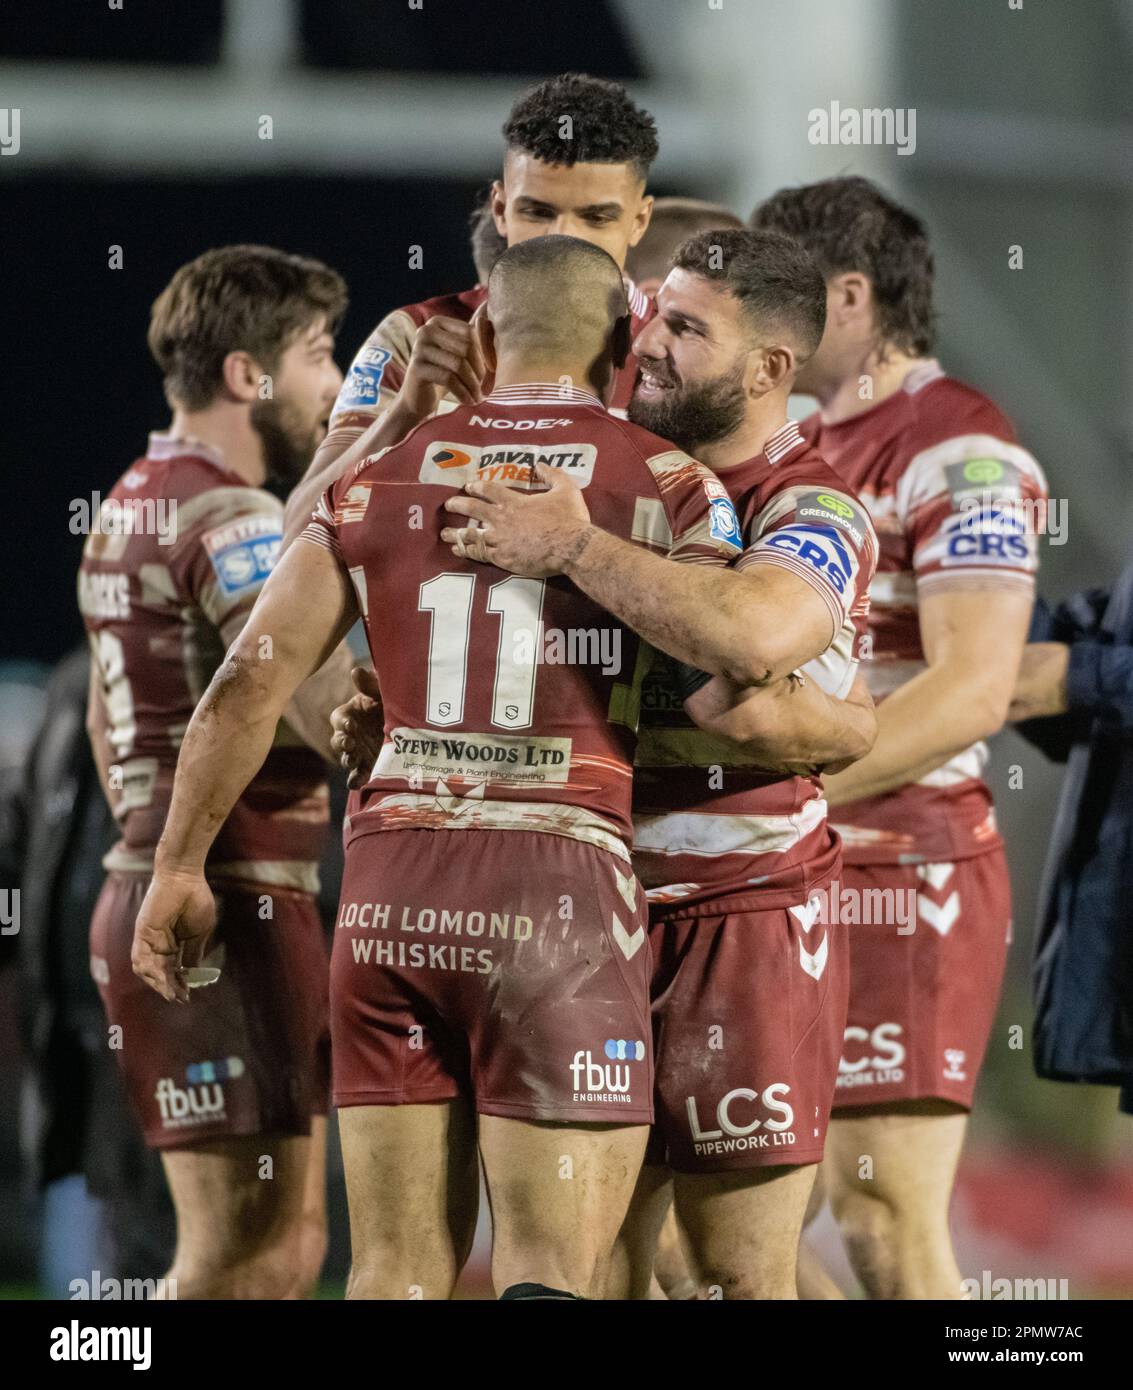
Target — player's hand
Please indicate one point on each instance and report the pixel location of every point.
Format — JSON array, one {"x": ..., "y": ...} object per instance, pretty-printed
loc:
[
  {"x": 446, "y": 360},
  {"x": 531, "y": 533},
  {"x": 359, "y": 727},
  {"x": 1040, "y": 687},
  {"x": 172, "y": 930}
]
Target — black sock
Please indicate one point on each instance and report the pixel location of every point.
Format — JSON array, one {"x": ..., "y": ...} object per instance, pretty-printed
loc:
[{"x": 536, "y": 1291}]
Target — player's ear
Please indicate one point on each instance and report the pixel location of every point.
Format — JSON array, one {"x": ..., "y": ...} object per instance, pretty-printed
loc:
[
  {"x": 779, "y": 365},
  {"x": 241, "y": 376},
  {"x": 849, "y": 295},
  {"x": 642, "y": 219},
  {"x": 620, "y": 340},
  {"x": 767, "y": 369},
  {"x": 485, "y": 331},
  {"x": 498, "y": 198}
]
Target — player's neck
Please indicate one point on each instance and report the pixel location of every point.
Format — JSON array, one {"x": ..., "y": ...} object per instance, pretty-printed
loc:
[
  {"x": 516, "y": 372},
  {"x": 227, "y": 428},
  {"x": 863, "y": 385},
  {"x": 762, "y": 419}
]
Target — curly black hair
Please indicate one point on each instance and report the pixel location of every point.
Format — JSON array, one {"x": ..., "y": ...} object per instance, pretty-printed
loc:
[
  {"x": 850, "y": 224},
  {"x": 577, "y": 119}
]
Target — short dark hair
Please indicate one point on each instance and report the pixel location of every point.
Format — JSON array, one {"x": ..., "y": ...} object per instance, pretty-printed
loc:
[
  {"x": 251, "y": 298},
  {"x": 674, "y": 220},
  {"x": 773, "y": 277},
  {"x": 605, "y": 127},
  {"x": 487, "y": 244},
  {"x": 850, "y": 224}
]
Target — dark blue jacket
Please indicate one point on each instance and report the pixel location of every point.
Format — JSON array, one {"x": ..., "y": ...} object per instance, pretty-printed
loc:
[{"x": 1083, "y": 970}]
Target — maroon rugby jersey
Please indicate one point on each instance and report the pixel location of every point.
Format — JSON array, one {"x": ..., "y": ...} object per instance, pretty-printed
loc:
[
  {"x": 953, "y": 497},
  {"x": 708, "y": 823},
  {"x": 181, "y": 549},
  {"x": 378, "y": 371},
  {"x": 509, "y": 703}
]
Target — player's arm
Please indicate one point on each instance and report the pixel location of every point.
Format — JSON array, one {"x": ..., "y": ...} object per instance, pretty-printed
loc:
[
  {"x": 445, "y": 360},
  {"x": 972, "y": 638},
  {"x": 792, "y": 725},
  {"x": 96, "y": 726},
  {"x": 301, "y": 615},
  {"x": 752, "y": 627},
  {"x": 308, "y": 711}
]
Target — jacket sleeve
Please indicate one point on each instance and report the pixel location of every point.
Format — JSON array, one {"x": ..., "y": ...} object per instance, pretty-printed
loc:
[{"x": 1099, "y": 680}]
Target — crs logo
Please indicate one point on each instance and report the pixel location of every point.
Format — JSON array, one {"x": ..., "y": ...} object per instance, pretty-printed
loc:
[
  {"x": 450, "y": 458},
  {"x": 991, "y": 533},
  {"x": 883, "y": 1041},
  {"x": 820, "y": 547},
  {"x": 732, "y": 1120}
]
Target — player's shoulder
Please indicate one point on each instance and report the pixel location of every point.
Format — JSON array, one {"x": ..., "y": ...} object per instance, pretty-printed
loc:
[
  {"x": 237, "y": 525},
  {"x": 657, "y": 462},
  {"x": 455, "y": 306},
  {"x": 946, "y": 408},
  {"x": 637, "y": 441},
  {"x": 803, "y": 490},
  {"x": 958, "y": 439},
  {"x": 804, "y": 466},
  {"x": 391, "y": 342}
]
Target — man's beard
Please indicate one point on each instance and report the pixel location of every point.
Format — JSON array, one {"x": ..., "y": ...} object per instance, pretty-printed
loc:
[
  {"x": 695, "y": 414},
  {"x": 288, "y": 445}
]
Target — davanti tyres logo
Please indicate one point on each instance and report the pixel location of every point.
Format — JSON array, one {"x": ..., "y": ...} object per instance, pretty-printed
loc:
[{"x": 450, "y": 458}]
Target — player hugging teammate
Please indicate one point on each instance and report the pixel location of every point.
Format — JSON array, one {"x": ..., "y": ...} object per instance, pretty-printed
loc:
[{"x": 585, "y": 915}]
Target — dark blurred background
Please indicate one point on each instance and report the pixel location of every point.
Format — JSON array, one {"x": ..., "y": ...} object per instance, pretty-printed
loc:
[{"x": 140, "y": 128}]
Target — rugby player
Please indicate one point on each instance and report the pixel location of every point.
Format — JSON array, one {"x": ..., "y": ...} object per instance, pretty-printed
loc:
[
  {"x": 732, "y": 842},
  {"x": 577, "y": 155},
  {"x": 956, "y": 503},
  {"x": 487, "y": 242},
  {"x": 673, "y": 221},
  {"x": 183, "y": 545},
  {"x": 489, "y": 980}
]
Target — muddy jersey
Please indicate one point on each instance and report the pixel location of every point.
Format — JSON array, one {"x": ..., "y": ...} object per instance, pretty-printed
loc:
[
  {"x": 180, "y": 549},
  {"x": 510, "y": 703},
  {"x": 709, "y": 823},
  {"x": 378, "y": 371},
  {"x": 955, "y": 500}
]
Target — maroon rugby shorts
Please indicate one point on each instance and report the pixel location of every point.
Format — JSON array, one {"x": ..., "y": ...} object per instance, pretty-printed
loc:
[
  {"x": 247, "y": 1055},
  {"x": 748, "y": 1012},
  {"x": 923, "y": 1001},
  {"x": 506, "y": 965}
]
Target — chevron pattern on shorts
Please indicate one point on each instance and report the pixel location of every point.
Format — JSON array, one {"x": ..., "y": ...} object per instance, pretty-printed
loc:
[{"x": 933, "y": 907}]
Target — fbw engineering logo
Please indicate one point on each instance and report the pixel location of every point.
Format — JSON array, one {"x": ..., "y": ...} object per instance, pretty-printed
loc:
[{"x": 597, "y": 1082}]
